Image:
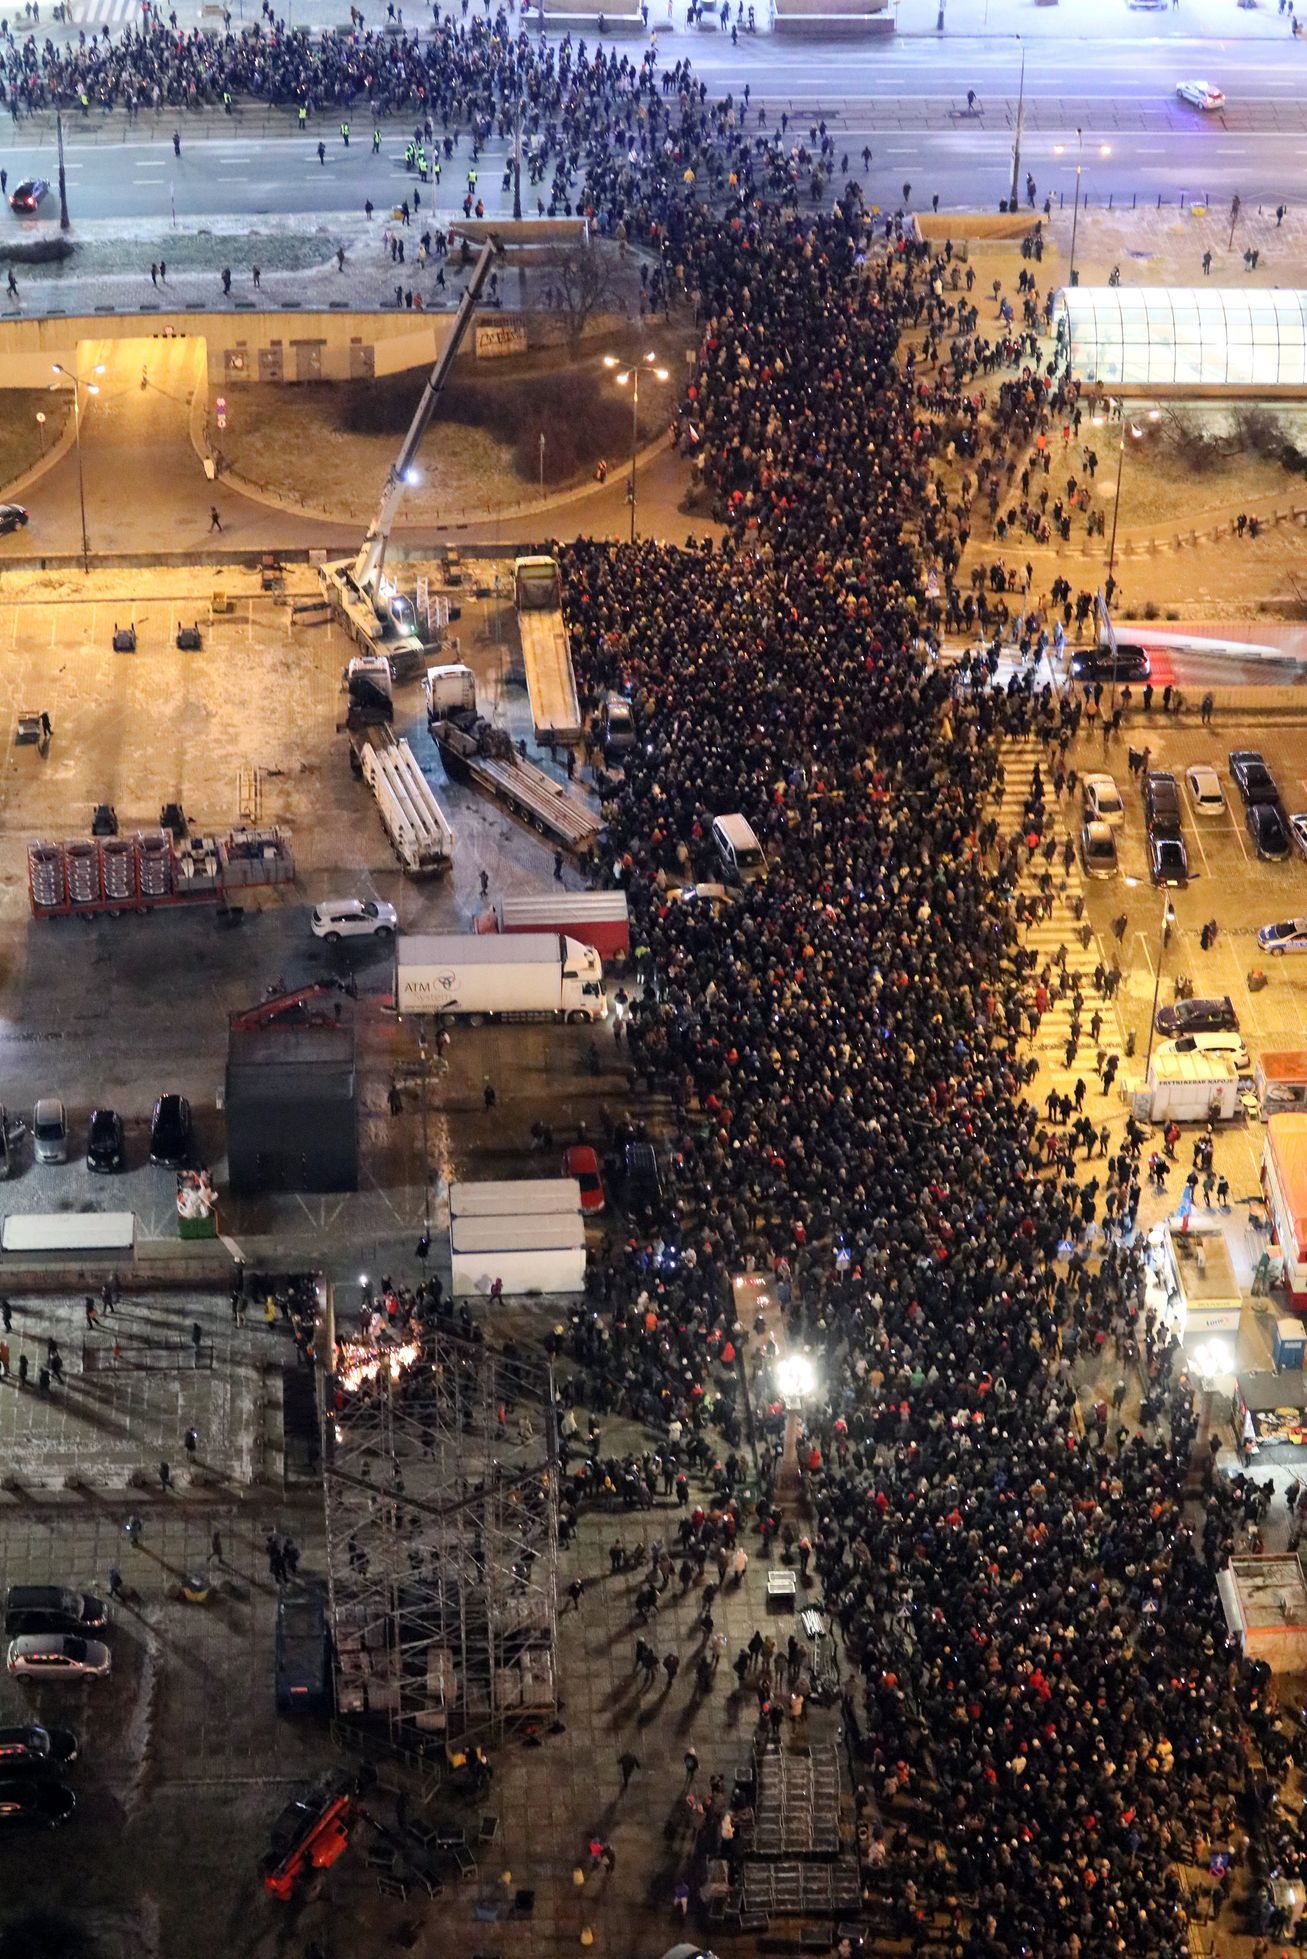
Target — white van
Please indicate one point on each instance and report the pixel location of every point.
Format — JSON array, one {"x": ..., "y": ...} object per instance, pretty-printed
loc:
[{"x": 737, "y": 846}]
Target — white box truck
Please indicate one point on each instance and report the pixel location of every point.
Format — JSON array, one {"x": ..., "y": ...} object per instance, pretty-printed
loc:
[
  {"x": 531, "y": 1254},
  {"x": 516, "y": 1197},
  {"x": 1192, "y": 1087},
  {"x": 529, "y": 976}
]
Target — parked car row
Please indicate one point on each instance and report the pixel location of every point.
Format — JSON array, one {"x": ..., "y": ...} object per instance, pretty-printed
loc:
[
  {"x": 172, "y": 1135},
  {"x": 50, "y": 1630},
  {"x": 1274, "y": 834}
]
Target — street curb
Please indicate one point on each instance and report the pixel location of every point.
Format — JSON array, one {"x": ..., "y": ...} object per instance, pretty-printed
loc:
[
  {"x": 509, "y": 512},
  {"x": 54, "y": 454}
]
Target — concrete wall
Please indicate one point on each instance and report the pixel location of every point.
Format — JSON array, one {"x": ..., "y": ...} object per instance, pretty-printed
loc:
[{"x": 243, "y": 347}]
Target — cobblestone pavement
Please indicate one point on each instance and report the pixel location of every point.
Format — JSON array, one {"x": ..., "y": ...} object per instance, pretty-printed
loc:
[{"x": 116, "y": 1416}]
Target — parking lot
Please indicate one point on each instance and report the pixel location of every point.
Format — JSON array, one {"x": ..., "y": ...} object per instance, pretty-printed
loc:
[
  {"x": 132, "y": 1386},
  {"x": 116, "y": 1011},
  {"x": 1228, "y": 882},
  {"x": 186, "y": 1717}
]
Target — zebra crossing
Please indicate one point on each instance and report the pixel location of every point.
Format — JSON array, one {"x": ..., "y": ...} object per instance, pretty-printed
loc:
[
  {"x": 1045, "y": 936},
  {"x": 103, "y": 13}
]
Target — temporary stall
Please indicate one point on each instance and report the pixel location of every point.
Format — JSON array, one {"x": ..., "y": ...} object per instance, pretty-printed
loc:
[
  {"x": 291, "y": 1106},
  {"x": 1203, "y": 1296},
  {"x": 1280, "y": 1082},
  {"x": 516, "y": 1198},
  {"x": 1191, "y": 1087},
  {"x": 1264, "y": 1600},
  {"x": 528, "y": 1254},
  {"x": 1284, "y": 1185}
]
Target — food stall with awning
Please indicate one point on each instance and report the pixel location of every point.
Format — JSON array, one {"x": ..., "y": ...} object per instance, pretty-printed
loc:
[{"x": 1284, "y": 1185}]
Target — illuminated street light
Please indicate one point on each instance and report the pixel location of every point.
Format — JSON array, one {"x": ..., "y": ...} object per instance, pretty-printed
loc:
[
  {"x": 647, "y": 364},
  {"x": 795, "y": 1377},
  {"x": 91, "y": 388}
]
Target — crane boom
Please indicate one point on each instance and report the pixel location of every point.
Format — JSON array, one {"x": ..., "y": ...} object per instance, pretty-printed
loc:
[{"x": 371, "y": 559}]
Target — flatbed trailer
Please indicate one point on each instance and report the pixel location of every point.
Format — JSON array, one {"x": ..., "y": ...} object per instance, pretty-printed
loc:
[
  {"x": 546, "y": 653},
  {"x": 418, "y": 829},
  {"x": 485, "y": 757}
]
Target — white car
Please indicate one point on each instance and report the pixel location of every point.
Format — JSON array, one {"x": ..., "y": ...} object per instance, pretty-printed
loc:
[
  {"x": 1205, "y": 792},
  {"x": 1289, "y": 936},
  {"x": 1103, "y": 799},
  {"x": 1298, "y": 831},
  {"x": 1201, "y": 95},
  {"x": 353, "y": 918},
  {"x": 57, "y": 1656},
  {"x": 1228, "y": 1042}
]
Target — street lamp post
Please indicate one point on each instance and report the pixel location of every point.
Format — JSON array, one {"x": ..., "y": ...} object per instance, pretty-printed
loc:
[
  {"x": 1168, "y": 920},
  {"x": 795, "y": 1379},
  {"x": 1013, "y": 201},
  {"x": 92, "y": 389},
  {"x": 1075, "y": 210},
  {"x": 1128, "y": 430},
  {"x": 647, "y": 364},
  {"x": 63, "y": 182}
]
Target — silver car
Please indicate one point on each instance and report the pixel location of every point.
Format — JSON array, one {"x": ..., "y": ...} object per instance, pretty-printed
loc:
[
  {"x": 50, "y": 1130},
  {"x": 58, "y": 1656}
]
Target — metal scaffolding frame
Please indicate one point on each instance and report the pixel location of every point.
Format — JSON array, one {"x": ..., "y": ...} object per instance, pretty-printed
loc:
[{"x": 441, "y": 1488}]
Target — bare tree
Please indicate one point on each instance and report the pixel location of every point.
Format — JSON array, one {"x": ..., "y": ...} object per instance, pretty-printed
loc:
[{"x": 583, "y": 282}]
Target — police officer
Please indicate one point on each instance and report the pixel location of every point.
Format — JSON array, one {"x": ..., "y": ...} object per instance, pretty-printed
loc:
[{"x": 344, "y": 134}]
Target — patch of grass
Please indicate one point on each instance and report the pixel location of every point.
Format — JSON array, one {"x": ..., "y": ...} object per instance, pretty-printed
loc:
[
  {"x": 580, "y": 411},
  {"x": 330, "y": 444},
  {"x": 21, "y": 437}
]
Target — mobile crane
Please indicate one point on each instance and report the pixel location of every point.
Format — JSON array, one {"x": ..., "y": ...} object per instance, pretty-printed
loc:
[{"x": 368, "y": 604}]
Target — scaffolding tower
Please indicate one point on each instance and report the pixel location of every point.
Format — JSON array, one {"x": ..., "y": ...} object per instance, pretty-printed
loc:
[{"x": 441, "y": 1487}]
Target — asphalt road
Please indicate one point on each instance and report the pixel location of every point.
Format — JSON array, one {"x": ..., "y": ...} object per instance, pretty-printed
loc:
[{"x": 906, "y": 99}]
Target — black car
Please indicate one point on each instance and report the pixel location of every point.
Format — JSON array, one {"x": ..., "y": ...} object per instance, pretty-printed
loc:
[
  {"x": 1268, "y": 830},
  {"x": 1162, "y": 802},
  {"x": 642, "y": 1178},
  {"x": 104, "y": 1140},
  {"x": 28, "y": 195},
  {"x": 171, "y": 1132},
  {"x": 302, "y": 1650},
  {"x": 52, "y": 1609},
  {"x": 1198, "y": 1017},
  {"x": 1168, "y": 860},
  {"x": 33, "y": 1749},
  {"x": 1101, "y": 663},
  {"x": 1255, "y": 782},
  {"x": 34, "y": 1802},
  {"x": 12, "y": 518}
]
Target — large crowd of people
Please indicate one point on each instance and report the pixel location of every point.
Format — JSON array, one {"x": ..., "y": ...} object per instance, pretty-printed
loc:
[{"x": 1041, "y": 1655}]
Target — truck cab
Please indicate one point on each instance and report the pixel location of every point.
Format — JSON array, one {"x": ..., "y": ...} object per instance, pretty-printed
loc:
[
  {"x": 583, "y": 981},
  {"x": 450, "y": 690}
]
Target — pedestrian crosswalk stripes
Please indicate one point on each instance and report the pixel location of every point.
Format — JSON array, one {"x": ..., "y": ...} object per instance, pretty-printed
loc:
[
  {"x": 102, "y": 13},
  {"x": 1065, "y": 928}
]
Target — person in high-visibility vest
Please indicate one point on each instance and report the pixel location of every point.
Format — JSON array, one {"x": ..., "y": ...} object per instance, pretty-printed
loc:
[
  {"x": 303, "y": 116},
  {"x": 344, "y": 134},
  {"x": 376, "y": 142}
]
